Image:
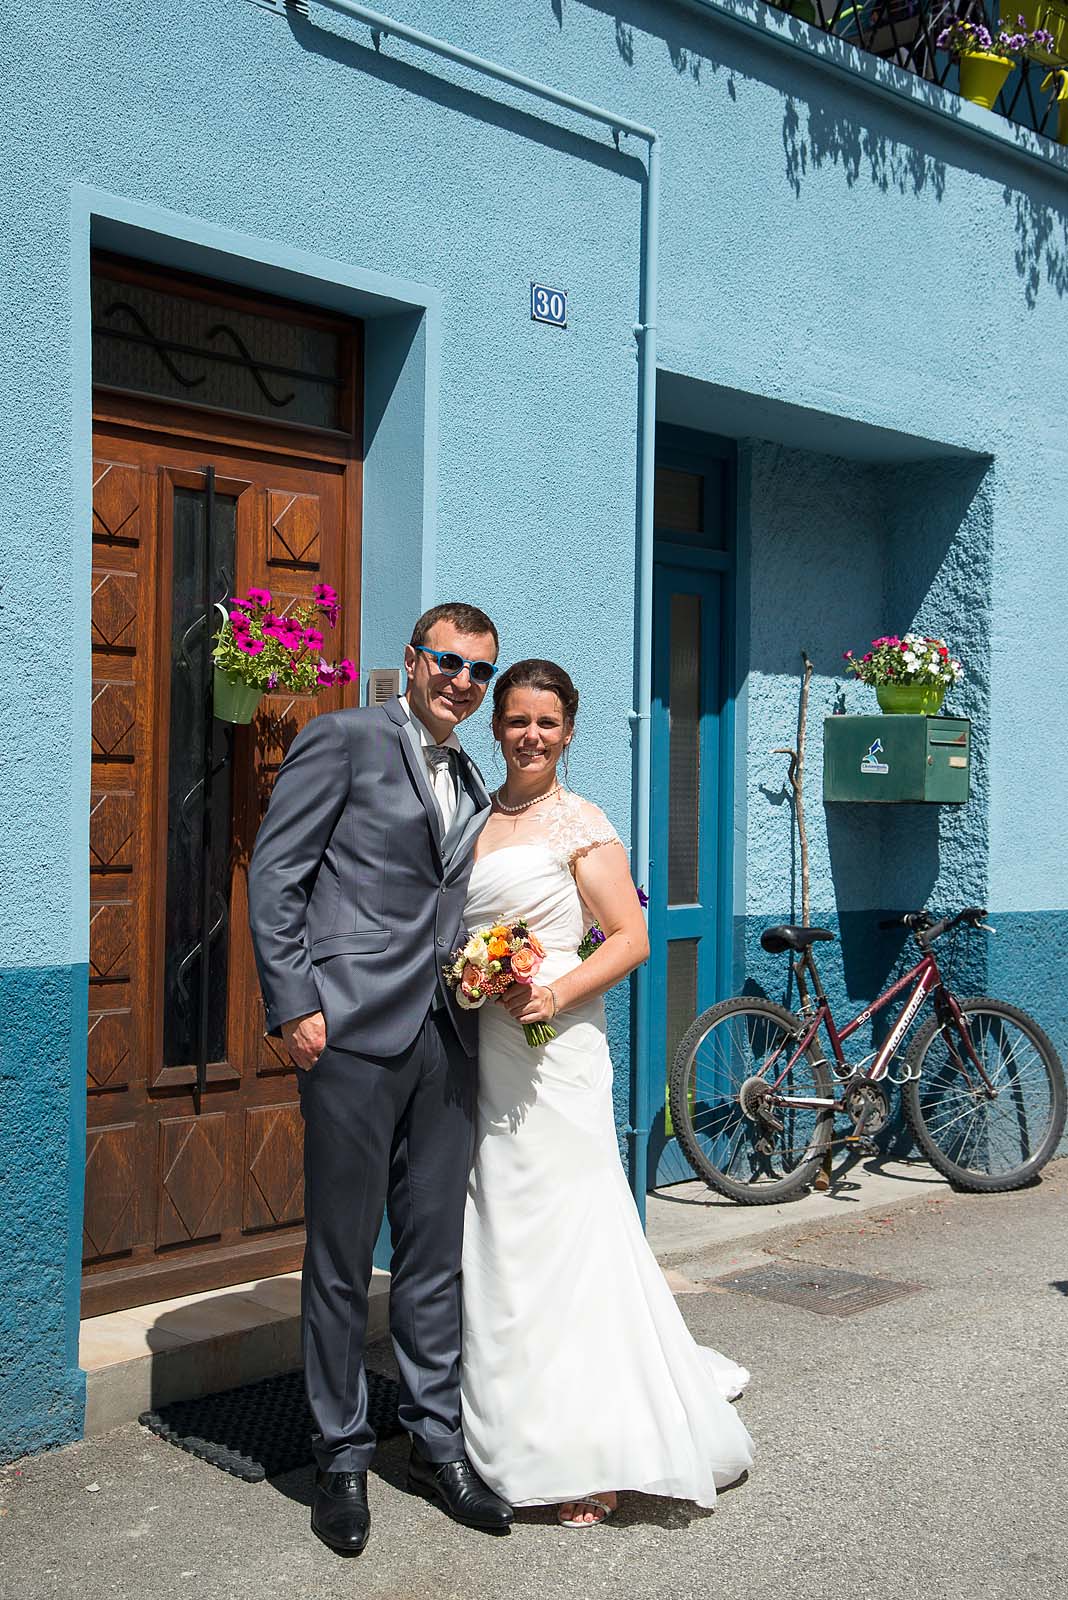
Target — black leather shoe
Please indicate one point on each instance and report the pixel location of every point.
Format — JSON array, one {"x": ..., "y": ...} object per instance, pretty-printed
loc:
[
  {"x": 459, "y": 1490},
  {"x": 340, "y": 1515}
]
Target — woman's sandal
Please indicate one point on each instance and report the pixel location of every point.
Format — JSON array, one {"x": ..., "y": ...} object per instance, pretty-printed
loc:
[{"x": 593, "y": 1500}]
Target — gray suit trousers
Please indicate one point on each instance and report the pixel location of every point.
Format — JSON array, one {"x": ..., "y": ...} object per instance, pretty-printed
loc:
[{"x": 396, "y": 1131}]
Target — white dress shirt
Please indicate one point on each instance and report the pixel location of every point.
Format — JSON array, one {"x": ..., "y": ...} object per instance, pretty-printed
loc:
[{"x": 439, "y": 773}]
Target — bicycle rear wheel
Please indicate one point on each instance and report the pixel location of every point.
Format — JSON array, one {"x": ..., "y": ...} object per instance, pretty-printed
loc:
[
  {"x": 979, "y": 1143},
  {"x": 734, "y": 1133}
]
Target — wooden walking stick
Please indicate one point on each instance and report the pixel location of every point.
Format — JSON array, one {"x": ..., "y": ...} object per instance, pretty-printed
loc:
[{"x": 796, "y": 780}]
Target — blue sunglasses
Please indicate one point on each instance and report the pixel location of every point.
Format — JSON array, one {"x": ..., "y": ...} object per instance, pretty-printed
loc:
[{"x": 450, "y": 663}]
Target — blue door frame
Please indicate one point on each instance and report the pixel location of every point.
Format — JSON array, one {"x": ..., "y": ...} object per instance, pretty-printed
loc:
[{"x": 691, "y": 876}]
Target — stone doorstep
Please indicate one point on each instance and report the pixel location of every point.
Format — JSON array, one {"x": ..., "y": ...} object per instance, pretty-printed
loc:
[{"x": 147, "y": 1356}]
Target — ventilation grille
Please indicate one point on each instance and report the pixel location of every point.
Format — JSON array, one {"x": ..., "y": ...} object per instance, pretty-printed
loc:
[{"x": 382, "y": 684}]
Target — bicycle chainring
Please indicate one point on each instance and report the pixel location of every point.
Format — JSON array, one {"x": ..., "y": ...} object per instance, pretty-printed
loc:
[{"x": 862, "y": 1096}]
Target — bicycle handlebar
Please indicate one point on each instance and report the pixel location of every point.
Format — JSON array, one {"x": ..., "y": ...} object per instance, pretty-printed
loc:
[{"x": 920, "y": 923}]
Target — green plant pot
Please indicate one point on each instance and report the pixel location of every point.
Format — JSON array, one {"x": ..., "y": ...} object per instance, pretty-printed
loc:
[
  {"x": 234, "y": 699},
  {"x": 982, "y": 75},
  {"x": 910, "y": 699}
]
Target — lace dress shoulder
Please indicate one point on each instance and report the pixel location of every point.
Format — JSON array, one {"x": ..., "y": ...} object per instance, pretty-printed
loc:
[{"x": 574, "y": 827}]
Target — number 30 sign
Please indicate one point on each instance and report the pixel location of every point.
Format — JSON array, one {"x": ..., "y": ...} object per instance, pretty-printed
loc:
[{"x": 548, "y": 305}]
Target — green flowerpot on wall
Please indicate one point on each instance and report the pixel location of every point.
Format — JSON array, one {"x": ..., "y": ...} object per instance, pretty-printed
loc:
[
  {"x": 982, "y": 75},
  {"x": 910, "y": 699},
  {"x": 234, "y": 699}
]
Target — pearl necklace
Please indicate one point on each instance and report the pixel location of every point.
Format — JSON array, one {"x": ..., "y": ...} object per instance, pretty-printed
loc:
[{"x": 513, "y": 811}]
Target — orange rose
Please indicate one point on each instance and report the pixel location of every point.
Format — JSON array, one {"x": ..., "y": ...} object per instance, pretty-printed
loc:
[
  {"x": 536, "y": 945},
  {"x": 525, "y": 964},
  {"x": 498, "y": 948}
]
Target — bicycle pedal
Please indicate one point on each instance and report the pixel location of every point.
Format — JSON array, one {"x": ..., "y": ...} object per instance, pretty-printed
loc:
[{"x": 861, "y": 1144}]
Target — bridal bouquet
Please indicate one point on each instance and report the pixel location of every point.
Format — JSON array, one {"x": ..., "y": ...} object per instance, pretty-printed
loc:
[{"x": 490, "y": 962}]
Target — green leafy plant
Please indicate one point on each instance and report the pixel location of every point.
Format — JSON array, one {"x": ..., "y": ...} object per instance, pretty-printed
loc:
[
  {"x": 911, "y": 659},
  {"x": 268, "y": 650}
]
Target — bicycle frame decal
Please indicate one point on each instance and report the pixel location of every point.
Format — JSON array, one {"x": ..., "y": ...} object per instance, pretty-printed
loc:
[{"x": 926, "y": 977}]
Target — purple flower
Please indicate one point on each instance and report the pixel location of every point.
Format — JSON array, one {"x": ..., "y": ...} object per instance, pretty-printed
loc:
[
  {"x": 324, "y": 677},
  {"x": 345, "y": 671},
  {"x": 272, "y": 681},
  {"x": 642, "y": 896},
  {"x": 259, "y": 597},
  {"x": 250, "y": 646}
]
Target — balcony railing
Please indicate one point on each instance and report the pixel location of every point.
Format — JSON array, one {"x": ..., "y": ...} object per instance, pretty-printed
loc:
[{"x": 906, "y": 33}]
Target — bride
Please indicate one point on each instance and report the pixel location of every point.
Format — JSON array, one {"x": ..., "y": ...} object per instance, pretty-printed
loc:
[{"x": 580, "y": 1377}]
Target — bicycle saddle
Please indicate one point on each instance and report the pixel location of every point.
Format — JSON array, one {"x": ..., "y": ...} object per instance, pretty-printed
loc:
[{"x": 788, "y": 936}]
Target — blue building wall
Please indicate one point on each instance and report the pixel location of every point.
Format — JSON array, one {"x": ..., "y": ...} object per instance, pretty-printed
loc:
[{"x": 866, "y": 292}]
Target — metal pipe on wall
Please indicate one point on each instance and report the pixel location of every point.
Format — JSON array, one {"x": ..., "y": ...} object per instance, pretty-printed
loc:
[{"x": 381, "y": 27}]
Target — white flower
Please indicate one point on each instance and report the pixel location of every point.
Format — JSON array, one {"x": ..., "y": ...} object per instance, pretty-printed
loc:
[
  {"x": 466, "y": 1003},
  {"x": 474, "y": 949}
]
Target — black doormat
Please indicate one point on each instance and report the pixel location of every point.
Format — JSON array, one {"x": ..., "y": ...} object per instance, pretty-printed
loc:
[{"x": 263, "y": 1428}]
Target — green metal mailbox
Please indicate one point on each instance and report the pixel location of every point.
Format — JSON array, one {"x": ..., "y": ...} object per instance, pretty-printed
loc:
[{"x": 897, "y": 758}]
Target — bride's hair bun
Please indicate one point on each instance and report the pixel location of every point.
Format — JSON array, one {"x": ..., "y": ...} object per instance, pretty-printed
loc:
[{"x": 535, "y": 674}]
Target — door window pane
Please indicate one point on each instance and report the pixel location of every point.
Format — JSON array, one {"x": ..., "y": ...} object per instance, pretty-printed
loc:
[
  {"x": 678, "y": 497},
  {"x": 177, "y": 347},
  {"x": 191, "y": 642},
  {"x": 681, "y": 991},
  {"x": 684, "y": 762}
]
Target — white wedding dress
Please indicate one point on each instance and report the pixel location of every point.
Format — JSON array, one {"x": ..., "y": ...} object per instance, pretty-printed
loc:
[{"x": 579, "y": 1373}]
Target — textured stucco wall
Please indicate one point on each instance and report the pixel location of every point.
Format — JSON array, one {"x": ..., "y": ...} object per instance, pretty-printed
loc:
[{"x": 824, "y": 253}]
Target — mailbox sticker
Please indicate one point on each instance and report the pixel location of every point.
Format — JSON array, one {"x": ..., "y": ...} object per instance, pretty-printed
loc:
[{"x": 870, "y": 764}]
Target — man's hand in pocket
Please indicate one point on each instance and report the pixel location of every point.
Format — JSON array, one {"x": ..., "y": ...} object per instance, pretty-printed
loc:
[{"x": 305, "y": 1039}]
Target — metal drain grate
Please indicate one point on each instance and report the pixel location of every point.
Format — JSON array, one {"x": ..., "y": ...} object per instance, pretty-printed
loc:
[{"x": 826, "y": 1290}]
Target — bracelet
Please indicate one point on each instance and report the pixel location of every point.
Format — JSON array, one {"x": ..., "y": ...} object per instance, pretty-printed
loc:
[{"x": 551, "y": 991}]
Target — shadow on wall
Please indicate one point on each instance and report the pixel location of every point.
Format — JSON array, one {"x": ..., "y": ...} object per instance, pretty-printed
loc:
[
  {"x": 851, "y": 129},
  {"x": 842, "y": 551}
]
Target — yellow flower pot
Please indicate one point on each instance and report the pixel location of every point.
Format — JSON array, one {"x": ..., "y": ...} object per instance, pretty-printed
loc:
[
  {"x": 1058, "y": 83},
  {"x": 982, "y": 75}
]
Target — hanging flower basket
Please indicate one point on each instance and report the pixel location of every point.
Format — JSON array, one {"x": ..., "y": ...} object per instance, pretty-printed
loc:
[
  {"x": 234, "y": 700},
  {"x": 910, "y": 675},
  {"x": 985, "y": 58},
  {"x": 258, "y": 651},
  {"x": 982, "y": 76}
]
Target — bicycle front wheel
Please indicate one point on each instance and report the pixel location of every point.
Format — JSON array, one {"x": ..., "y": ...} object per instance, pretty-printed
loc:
[
  {"x": 978, "y": 1142},
  {"x": 727, "y": 1116}
]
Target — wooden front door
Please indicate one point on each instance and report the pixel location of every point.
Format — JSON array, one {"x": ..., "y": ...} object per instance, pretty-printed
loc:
[{"x": 192, "y": 1187}]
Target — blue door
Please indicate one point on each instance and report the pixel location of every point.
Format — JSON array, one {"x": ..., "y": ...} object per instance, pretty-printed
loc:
[{"x": 690, "y": 906}]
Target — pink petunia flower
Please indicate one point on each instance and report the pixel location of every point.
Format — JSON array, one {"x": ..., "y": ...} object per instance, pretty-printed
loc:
[
  {"x": 259, "y": 597},
  {"x": 239, "y": 622},
  {"x": 313, "y": 639},
  {"x": 324, "y": 677},
  {"x": 346, "y": 671},
  {"x": 250, "y": 646}
]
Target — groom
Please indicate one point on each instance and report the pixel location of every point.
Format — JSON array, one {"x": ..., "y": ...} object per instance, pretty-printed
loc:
[{"x": 356, "y": 896}]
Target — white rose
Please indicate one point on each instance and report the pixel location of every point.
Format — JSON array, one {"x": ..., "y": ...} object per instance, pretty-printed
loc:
[
  {"x": 474, "y": 950},
  {"x": 467, "y": 1004}
]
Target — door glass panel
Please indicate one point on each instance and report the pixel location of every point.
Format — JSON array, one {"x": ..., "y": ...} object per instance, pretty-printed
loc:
[
  {"x": 178, "y": 347},
  {"x": 684, "y": 763},
  {"x": 191, "y": 641},
  {"x": 677, "y": 504},
  {"x": 681, "y": 991}
]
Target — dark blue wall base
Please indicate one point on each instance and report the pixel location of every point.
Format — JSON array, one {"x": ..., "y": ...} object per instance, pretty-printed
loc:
[{"x": 42, "y": 1172}]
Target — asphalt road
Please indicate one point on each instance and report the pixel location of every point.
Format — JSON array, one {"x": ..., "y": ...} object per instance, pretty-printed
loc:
[{"x": 919, "y": 1447}]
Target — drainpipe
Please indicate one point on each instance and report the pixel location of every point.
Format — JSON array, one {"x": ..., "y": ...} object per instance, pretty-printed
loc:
[{"x": 383, "y": 27}]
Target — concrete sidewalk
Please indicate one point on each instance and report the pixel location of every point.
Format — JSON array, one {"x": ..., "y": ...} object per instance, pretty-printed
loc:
[{"x": 916, "y": 1447}]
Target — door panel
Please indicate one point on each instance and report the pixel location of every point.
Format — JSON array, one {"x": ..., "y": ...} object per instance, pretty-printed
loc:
[
  {"x": 182, "y": 1195},
  {"x": 692, "y": 733}
]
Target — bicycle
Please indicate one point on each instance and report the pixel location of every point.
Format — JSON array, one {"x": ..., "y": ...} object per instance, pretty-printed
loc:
[{"x": 754, "y": 1098}]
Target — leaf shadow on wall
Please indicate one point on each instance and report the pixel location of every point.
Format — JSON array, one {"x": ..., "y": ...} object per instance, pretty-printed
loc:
[{"x": 1041, "y": 243}]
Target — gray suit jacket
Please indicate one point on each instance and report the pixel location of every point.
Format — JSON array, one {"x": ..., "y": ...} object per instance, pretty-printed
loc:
[{"x": 355, "y": 896}]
